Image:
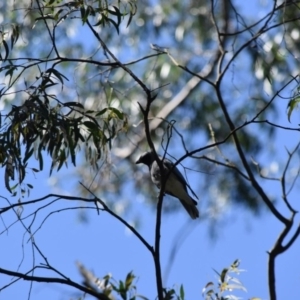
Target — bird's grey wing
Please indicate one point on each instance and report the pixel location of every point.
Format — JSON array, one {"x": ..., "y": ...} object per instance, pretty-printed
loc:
[{"x": 169, "y": 165}]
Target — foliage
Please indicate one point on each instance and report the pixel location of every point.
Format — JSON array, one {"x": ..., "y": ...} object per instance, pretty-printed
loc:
[
  {"x": 80, "y": 84},
  {"x": 44, "y": 121},
  {"x": 226, "y": 284},
  {"x": 48, "y": 79},
  {"x": 293, "y": 103},
  {"x": 126, "y": 289},
  {"x": 108, "y": 286}
]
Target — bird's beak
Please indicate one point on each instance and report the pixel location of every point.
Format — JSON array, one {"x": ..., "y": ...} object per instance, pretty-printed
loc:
[{"x": 138, "y": 161}]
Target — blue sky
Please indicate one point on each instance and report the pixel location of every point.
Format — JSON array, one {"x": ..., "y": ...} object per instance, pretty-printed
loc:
[{"x": 104, "y": 246}]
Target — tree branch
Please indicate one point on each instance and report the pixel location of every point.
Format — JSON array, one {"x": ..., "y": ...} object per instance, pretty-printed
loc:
[
  {"x": 156, "y": 253},
  {"x": 68, "y": 282}
]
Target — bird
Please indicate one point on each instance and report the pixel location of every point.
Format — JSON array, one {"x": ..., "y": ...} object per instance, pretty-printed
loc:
[{"x": 175, "y": 185}]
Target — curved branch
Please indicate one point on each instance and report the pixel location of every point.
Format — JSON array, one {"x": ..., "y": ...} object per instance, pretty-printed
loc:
[
  {"x": 240, "y": 151},
  {"x": 278, "y": 249},
  {"x": 71, "y": 198},
  {"x": 68, "y": 282}
]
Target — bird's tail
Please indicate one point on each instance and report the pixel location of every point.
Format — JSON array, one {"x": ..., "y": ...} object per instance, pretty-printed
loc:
[{"x": 191, "y": 208}]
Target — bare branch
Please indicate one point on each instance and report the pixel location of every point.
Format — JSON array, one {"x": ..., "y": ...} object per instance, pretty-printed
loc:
[{"x": 67, "y": 282}]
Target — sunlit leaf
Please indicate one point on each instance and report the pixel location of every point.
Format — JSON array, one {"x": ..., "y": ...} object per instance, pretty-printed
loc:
[
  {"x": 90, "y": 125},
  {"x": 101, "y": 112},
  {"x": 115, "y": 24},
  {"x": 133, "y": 9},
  {"x": 6, "y": 48},
  {"x": 119, "y": 114},
  {"x": 209, "y": 284},
  {"x": 57, "y": 74},
  {"x": 181, "y": 292},
  {"x": 15, "y": 34},
  {"x": 292, "y": 105},
  {"x": 116, "y": 13},
  {"x": 223, "y": 275},
  {"x": 129, "y": 279},
  {"x": 28, "y": 154}
]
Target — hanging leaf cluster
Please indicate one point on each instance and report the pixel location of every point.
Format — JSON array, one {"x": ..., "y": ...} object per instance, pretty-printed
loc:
[
  {"x": 37, "y": 127},
  {"x": 44, "y": 125}
]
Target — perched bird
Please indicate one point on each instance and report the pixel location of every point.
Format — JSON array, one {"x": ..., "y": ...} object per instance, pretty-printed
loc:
[{"x": 175, "y": 186}]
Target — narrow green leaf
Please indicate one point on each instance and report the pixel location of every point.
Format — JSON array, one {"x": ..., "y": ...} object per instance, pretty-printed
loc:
[
  {"x": 292, "y": 105},
  {"x": 82, "y": 12},
  {"x": 6, "y": 180},
  {"x": 235, "y": 264},
  {"x": 28, "y": 154},
  {"x": 46, "y": 86},
  {"x": 40, "y": 157},
  {"x": 56, "y": 16},
  {"x": 74, "y": 104},
  {"x": 223, "y": 275},
  {"x": 15, "y": 35},
  {"x": 129, "y": 20},
  {"x": 57, "y": 74},
  {"x": 51, "y": 146},
  {"x": 6, "y": 49},
  {"x": 22, "y": 173},
  {"x": 116, "y": 13},
  {"x": 99, "y": 22},
  {"x": 181, "y": 292},
  {"x": 101, "y": 112},
  {"x": 50, "y": 2},
  {"x": 90, "y": 111},
  {"x": 114, "y": 23},
  {"x": 119, "y": 114},
  {"x": 128, "y": 281},
  {"x": 1, "y": 91},
  {"x": 133, "y": 9},
  {"x": 51, "y": 168},
  {"x": 72, "y": 150},
  {"x": 91, "y": 125},
  {"x": 62, "y": 159}
]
